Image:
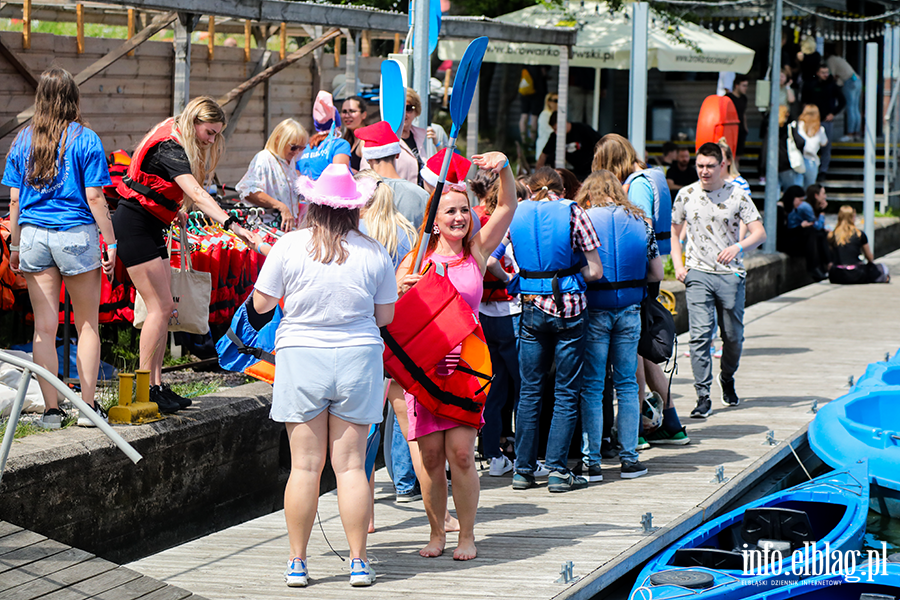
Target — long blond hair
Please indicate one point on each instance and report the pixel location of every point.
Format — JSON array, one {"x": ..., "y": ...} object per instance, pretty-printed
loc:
[
  {"x": 616, "y": 154},
  {"x": 381, "y": 217},
  {"x": 204, "y": 160},
  {"x": 56, "y": 104},
  {"x": 811, "y": 119},
  {"x": 846, "y": 227},
  {"x": 602, "y": 188},
  {"x": 729, "y": 156}
]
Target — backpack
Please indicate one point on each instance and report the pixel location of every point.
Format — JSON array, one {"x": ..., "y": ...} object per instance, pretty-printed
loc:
[{"x": 657, "y": 341}]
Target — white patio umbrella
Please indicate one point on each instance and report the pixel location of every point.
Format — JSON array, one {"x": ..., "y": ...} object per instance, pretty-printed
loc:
[{"x": 604, "y": 42}]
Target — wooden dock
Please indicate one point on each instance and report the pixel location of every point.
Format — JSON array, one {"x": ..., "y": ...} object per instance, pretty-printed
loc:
[
  {"x": 33, "y": 566},
  {"x": 800, "y": 348}
]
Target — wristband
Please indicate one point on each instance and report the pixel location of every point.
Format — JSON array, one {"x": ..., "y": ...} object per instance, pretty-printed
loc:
[
  {"x": 114, "y": 245},
  {"x": 506, "y": 164},
  {"x": 259, "y": 247},
  {"x": 13, "y": 248},
  {"x": 741, "y": 247}
]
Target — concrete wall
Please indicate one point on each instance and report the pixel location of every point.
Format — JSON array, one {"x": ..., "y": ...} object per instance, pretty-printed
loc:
[{"x": 216, "y": 464}]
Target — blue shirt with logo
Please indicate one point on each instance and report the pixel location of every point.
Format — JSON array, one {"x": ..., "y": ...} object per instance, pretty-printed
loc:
[
  {"x": 63, "y": 203},
  {"x": 314, "y": 160}
]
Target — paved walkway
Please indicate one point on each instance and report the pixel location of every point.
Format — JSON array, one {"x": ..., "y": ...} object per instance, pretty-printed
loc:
[{"x": 800, "y": 348}]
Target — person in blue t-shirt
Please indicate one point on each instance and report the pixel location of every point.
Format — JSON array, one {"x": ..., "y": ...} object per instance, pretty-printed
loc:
[
  {"x": 326, "y": 146},
  {"x": 56, "y": 170}
]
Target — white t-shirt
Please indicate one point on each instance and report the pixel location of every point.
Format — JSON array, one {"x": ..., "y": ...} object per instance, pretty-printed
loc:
[{"x": 328, "y": 305}]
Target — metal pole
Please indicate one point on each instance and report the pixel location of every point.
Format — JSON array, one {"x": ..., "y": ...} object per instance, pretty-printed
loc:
[
  {"x": 472, "y": 122},
  {"x": 421, "y": 60},
  {"x": 562, "y": 107},
  {"x": 351, "y": 65},
  {"x": 637, "y": 113},
  {"x": 772, "y": 188},
  {"x": 595, "y": 108},
  {"x": 871, "y": 116}
]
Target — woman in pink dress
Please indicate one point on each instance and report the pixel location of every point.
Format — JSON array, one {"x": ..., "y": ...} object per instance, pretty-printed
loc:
[{"x": 441, "y": 440}]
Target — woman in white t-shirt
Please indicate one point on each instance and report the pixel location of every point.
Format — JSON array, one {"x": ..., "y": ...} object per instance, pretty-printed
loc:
[
  {"x": 338, "y": 288},
  {"x": 809, "y": 126}
]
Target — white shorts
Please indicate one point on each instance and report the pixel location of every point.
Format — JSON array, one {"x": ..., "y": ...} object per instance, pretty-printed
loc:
[{"x": 346, "y": 381}]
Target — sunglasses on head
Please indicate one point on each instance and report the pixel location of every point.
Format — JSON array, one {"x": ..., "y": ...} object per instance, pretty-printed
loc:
[{"x": 411, "y": 108}]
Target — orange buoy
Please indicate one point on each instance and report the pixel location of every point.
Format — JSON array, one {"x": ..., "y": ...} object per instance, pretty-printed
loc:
[{"x": 718, "y": 118}]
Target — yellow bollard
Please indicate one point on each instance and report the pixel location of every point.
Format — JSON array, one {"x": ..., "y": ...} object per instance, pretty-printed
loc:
[{"x": 139, "y": 411}]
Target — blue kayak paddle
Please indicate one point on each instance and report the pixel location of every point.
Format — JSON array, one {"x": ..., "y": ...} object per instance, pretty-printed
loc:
[
  {"x": 393, "y": 95},
  {"x": 460, "y": 100}
]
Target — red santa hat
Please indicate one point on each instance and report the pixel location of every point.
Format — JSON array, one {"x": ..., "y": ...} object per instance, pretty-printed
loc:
[
  {"x": 380, "y": 139},
  {"x": 456, "y": 174}
]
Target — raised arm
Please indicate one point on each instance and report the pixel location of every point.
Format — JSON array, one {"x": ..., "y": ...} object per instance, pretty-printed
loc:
[{"x": 489, "y": 237}]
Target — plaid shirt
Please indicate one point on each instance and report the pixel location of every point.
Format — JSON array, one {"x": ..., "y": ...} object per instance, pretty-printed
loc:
[{"x": 583, "y": 239}]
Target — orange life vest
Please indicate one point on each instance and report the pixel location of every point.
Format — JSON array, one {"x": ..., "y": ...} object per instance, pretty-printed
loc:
[
  {"x": 430, "y": 321},
  {"x": 160, "y": 197}
]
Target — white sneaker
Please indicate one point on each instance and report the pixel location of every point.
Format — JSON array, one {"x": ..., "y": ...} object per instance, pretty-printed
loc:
[
  {"x": 84, "y": 421},
  {"x": 542, "y": 470},
  {"x": 500, "y": 466},
  {"x": 296, "y": 574},
  {"x": 361, "y": 573}
]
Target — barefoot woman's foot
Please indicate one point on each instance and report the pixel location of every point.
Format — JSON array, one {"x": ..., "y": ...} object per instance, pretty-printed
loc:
[
  {"x": 450, "y": 523},
  {"x": 435, "y": 547},
  {"x": 465, "y": 550}
]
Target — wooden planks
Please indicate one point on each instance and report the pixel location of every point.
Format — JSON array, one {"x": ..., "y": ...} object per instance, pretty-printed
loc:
[
  {"x": 33, "y": 566},
  {"x": 794, "y": 353}
]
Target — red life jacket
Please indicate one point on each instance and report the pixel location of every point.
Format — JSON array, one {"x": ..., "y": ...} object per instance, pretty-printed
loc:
[
  {"x": 161, "y": 198},
  {"x": 431, "y": 320},
  {"x": 494, "y": 289}
]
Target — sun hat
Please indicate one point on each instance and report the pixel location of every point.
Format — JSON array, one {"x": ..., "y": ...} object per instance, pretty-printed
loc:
[
  {"x": 336, "y": 188},
  {"x": 380, "y": 139},
  {"x": 456, "y": 174},
  {"x": 324, "y": 113}
]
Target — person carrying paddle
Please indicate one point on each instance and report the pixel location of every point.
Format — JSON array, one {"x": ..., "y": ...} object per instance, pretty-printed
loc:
[{"x": 465, "y": 255}]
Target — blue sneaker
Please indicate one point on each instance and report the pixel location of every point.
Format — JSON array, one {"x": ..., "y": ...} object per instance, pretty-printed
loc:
[
  {"x": 296, "y": 574},
  {"x": 361, "y": 573}
]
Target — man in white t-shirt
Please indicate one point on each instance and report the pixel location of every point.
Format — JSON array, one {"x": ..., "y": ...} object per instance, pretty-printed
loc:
[{"x": 712, "y": 209}]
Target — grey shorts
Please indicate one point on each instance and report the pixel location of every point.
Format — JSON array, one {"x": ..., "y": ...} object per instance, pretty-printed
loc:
[
  {"x": 73, "y": 251},
  {"x": 346, "y": 381}
]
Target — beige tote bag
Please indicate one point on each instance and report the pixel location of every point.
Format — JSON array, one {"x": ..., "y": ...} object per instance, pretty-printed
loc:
[{"x": 190, "y": 291}]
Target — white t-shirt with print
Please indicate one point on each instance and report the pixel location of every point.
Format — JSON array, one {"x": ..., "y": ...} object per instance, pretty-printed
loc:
[
  {"x": 328, "y": 305},
  {"x": 713, "y": 221}
]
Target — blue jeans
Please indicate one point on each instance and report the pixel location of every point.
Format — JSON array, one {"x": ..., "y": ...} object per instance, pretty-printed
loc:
[
  {"x": 805, "y": 180},
  {"x": 852, "y": 89},
  {"x": 825, "y": 151},
  {"x": 402, "y": 473},
  {"x": 542, "y": 338},
  {"x": 611, "y": 334},
  {"x": 500, "y": 334}
]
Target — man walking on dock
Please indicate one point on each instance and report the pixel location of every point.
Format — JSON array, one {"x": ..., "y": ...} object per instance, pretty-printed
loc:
[{"x": 712, "y": 209}]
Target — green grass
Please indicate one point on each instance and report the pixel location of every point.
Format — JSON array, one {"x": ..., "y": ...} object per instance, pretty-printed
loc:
[
  {"x": 669, "y": 269},
  {"x": 890, "y": 212},
  {"x": 196, "y": 388}
]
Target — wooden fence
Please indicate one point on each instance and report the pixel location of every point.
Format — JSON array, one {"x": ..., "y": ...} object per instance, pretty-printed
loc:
[{"x": 123, "y": 102}]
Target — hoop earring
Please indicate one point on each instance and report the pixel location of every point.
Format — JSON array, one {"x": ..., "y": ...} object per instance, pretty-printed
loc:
[{"x": 436, "y": 230}]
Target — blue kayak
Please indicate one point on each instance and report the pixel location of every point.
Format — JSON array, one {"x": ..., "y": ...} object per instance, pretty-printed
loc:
[
  {"x": 762, "y": 544},
  {"x": 872, "y": 581},
  {"x": 866, "y": 422}
]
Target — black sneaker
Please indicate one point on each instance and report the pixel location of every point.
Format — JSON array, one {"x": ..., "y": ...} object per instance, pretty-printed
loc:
[
  {"x": 630, "y": 470},
  {"x": 729, "y": 396},
  {"x": 410, "y": 495},
  {"x": 608, "y": 450},
  {"x": 594, "y": 474},
  {"x": 703, "y": 408},
  {"x": 163, "y": 401},
  {"x": 181, "y": 401}
]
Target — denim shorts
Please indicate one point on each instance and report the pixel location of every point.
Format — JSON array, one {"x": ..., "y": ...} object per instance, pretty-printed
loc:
[
  {"x": 73, "y": 251},
  {"x": 345, "y": 381}
]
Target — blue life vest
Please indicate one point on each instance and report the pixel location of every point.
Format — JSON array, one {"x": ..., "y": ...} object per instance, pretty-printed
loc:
[
  {"x": 623, "y": 252},
  {"x": 541, "y": 239},
  {"x": 244, "y": 346},
  {"x": 662, "y": 206}
]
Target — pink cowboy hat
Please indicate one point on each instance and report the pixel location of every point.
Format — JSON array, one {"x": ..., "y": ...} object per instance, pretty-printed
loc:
[{"x": 336, "y": 188}]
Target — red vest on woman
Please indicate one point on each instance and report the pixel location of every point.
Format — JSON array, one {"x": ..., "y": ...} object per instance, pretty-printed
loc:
[
  {"x": 160, "y": 197},
  {"x": 494, "y": 289}
]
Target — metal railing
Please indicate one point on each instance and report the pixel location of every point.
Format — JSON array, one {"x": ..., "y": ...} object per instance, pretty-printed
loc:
[
  {"x": 891, "y": 137},
  {"x": 16, "y": 411}
]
